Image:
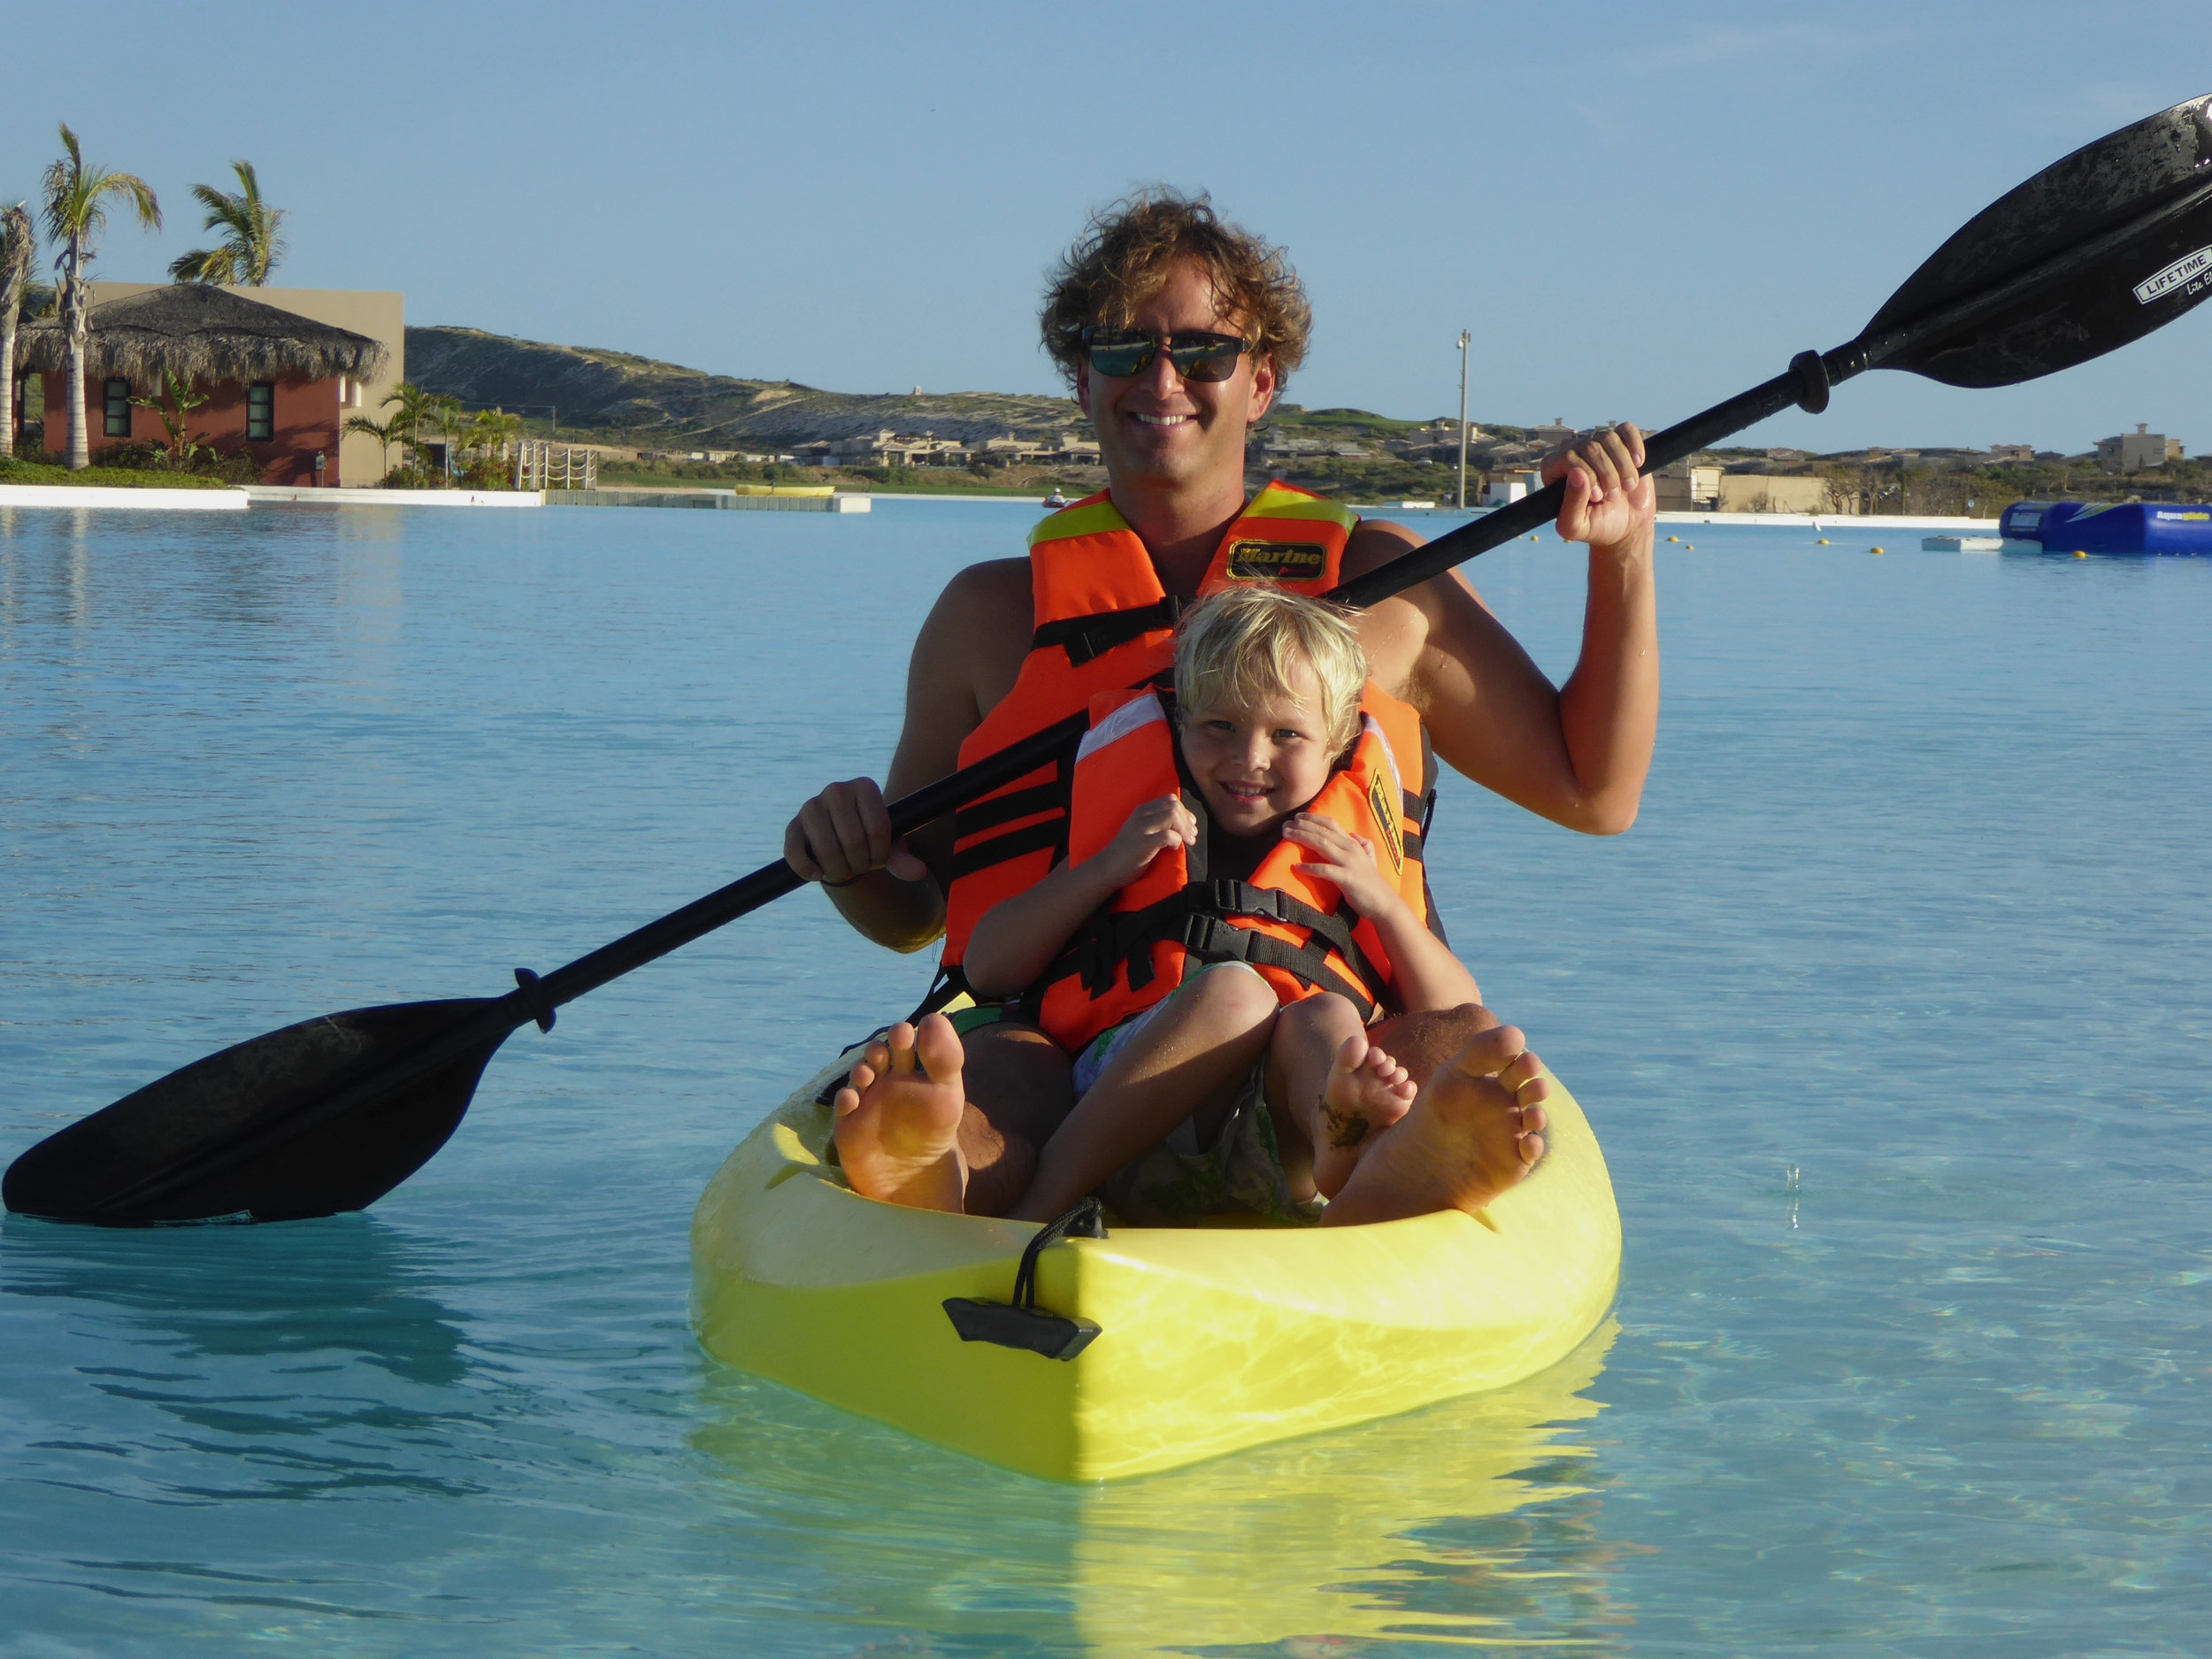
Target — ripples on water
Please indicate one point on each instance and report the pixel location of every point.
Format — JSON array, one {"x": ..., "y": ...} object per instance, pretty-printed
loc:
[{"x": 1890, "y": 1013}]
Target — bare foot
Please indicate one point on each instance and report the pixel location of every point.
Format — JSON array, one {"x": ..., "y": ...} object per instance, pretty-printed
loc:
[
  {"x": 898, "y": 1125},
  {"x": 1367, "y": 1091},
  {"x": 1473, "y": 1131}
]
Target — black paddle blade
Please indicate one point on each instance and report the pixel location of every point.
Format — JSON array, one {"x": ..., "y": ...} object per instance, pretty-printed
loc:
[
  {"x": 2143, "y": 175},
  {"x": 322, "y": 1117}
]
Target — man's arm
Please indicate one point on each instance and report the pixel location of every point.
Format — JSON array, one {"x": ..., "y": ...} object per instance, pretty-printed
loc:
[
  {"x": 1578, "y": 754},
  {"x": 964, "y": 659}
]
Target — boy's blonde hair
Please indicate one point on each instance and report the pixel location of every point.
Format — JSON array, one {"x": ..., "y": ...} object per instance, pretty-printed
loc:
[{"x": 1242, "y": 645}]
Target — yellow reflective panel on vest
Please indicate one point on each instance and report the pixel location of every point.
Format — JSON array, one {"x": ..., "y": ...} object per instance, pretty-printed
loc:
[{"x": 1385, "y": 810}]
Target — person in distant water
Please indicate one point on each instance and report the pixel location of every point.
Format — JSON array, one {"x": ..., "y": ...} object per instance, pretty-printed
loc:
[
  {"x": 1246, "y": 1083},
  {"x": 1176, "y": 332}
]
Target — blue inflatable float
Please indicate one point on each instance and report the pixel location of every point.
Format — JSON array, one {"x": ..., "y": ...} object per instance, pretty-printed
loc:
[{"x": 2132, "y": 527}]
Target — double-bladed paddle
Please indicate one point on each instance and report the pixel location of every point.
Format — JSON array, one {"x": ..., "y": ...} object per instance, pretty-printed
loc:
[{"x": 329, "y": 1115}]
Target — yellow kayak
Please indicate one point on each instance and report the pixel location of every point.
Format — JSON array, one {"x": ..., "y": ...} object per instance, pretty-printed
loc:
[{"x": 1206, "y": 1340}]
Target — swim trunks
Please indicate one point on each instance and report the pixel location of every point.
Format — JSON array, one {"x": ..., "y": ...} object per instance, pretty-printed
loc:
[{"x": 1239, "y": 1172}]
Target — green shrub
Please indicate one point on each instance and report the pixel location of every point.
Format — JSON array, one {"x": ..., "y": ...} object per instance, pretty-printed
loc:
[{"x": 132, "y": 458}]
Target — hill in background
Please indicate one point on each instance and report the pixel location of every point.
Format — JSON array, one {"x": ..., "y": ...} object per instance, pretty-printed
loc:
[{"x": 617, "y": 398}]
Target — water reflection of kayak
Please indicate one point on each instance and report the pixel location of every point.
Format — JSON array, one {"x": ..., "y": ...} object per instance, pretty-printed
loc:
[
  {"x": 1210, "y": 1339},
  {"x": 1393, "y": 1532}
]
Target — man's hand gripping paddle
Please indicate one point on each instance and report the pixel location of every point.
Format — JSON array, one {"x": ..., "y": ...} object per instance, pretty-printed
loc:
[{"x": 2095, "y": 251}]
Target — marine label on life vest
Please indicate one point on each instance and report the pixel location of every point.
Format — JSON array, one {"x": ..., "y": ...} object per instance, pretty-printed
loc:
[
  {"x": 1386, "y": 812},
  {"x": 2189, "y": 271},
  {"x": 1277, "y": 562}
]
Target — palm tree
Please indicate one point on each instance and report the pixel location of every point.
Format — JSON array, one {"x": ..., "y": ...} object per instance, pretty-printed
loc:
[
  {"x": 18, "y": 258},
  {"x": 386, "y": 436},
  {"x": 251, "y": 250},
  {"x": 411, "y": 405},
  {"x": 444, "y": 411},
  {"x": 76, "y": 214},
  {"x": 492, "y": 430}
]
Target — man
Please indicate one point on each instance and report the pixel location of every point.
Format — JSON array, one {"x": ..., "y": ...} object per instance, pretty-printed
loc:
[{"x": 1176, "y": 333}]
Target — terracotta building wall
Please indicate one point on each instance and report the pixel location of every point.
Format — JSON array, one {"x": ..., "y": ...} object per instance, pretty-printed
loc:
[
  {"x": 380, "y": 316},
  {"x": 308, "y": 419}
]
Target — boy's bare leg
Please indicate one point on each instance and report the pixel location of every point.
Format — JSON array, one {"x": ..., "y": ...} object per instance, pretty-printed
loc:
[
  {"x": 1208, "y": 1035},
  {"x": 1474, "y": 1129},
  {"x": 1328, "y": 1089},
  {"x": 926, "y": 1122}
]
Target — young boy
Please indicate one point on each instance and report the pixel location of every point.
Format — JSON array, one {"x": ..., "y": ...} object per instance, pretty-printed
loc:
[{"x": 1246, "y": 1086}]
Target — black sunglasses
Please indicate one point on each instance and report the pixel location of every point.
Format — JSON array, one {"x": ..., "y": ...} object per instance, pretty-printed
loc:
[{"x": 1124, "y": 353}]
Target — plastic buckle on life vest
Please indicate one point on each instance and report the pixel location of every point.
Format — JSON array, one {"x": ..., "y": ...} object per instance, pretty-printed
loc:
[
  {"x": 1232, "y": 897},
  {"x": 1212, "y": 940}
]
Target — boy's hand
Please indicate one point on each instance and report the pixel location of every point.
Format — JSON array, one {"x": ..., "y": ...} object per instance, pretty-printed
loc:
[
  {"x": 1347, "y": 860},
  {"x": 1151, "y": 830}
]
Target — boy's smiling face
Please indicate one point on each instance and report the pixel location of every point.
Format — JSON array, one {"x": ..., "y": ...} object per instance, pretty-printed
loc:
[{"x": 1256, "y": 765}]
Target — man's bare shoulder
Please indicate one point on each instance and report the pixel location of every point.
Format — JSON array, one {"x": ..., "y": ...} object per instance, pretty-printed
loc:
[
  {"x": 985, "y": 607},
  {"x": 975, "y": 636},
  {"x": 1376, "y": 542}
]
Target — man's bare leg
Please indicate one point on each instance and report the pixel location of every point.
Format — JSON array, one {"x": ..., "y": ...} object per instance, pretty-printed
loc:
[
  {"x": 930, "y": 1122},
  {"x": 1422, "y": 1042},
  {"x": 1021, "y": 1090},
  {"x": 1474, "y": 1129}
]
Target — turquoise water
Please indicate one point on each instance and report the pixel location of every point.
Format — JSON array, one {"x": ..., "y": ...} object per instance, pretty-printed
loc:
[{"x": 1890, "y": 1013}]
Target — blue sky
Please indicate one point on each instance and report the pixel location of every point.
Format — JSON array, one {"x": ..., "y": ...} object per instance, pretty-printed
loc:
[{"x": 1638, "y": 209}]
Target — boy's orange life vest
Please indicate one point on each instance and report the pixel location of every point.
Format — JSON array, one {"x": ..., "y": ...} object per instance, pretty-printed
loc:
[
  {"x": 1104, "y": 623},
  {"x": 1296, "y": 930}
]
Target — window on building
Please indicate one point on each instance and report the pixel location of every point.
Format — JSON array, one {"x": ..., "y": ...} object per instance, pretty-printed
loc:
[
  {"x": 118, "y": 410},
  {"x": 261, "y": 412}
]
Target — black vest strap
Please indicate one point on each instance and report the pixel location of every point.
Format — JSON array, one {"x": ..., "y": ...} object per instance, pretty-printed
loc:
[
  {"x": 1092, "y": 636},
  {"x": 1198, "y": 917},
  {"x": 1049, "y": 796}
]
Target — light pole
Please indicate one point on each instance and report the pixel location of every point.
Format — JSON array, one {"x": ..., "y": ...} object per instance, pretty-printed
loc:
[{"x": 1463, "y": 337}]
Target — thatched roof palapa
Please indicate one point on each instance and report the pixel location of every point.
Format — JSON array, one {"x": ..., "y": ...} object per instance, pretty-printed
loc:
[{"x": 209, "y": 333}]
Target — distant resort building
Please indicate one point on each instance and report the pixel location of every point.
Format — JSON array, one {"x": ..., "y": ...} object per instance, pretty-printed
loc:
[
  {"x": 886, "y": 447},
  {"x": 282, "y": 372},
  {"x": 2137, "y": 451}
]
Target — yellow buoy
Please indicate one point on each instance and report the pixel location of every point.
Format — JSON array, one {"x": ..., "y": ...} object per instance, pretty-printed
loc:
[
  {"x": 1674, "y": 538},
  {"x": 1822, "y": 543},
  {"x": 1689, "y": 547},
  {"x": 2079, "y": 554},
  {"x": 1874, "y": 550}
]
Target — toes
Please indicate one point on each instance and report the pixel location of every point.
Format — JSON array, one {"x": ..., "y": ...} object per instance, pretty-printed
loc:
[
  {"x": 901, "y": 1038},
  {"x": 863, "y": 1074},
  {"x": 1532, "y": 1149},
  {"x": 938, "y": 1047},
  {"x": 848, "y": 1101},
  {"x": 1353, "y": 1053},
  {"x": 1487, "y": 1053}
]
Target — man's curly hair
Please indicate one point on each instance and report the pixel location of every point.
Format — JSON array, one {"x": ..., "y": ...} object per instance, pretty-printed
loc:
[{"x": 1125, "y": 254}]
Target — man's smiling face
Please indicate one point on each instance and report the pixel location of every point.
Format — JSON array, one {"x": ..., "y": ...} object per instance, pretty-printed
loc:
[{"x": 1155, "y": 427}]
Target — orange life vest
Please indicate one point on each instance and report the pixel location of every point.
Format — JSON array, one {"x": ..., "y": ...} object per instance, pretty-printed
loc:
[
  {"x": 1296, "y": 930},
  {"x": 1104, "y": 623}
]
